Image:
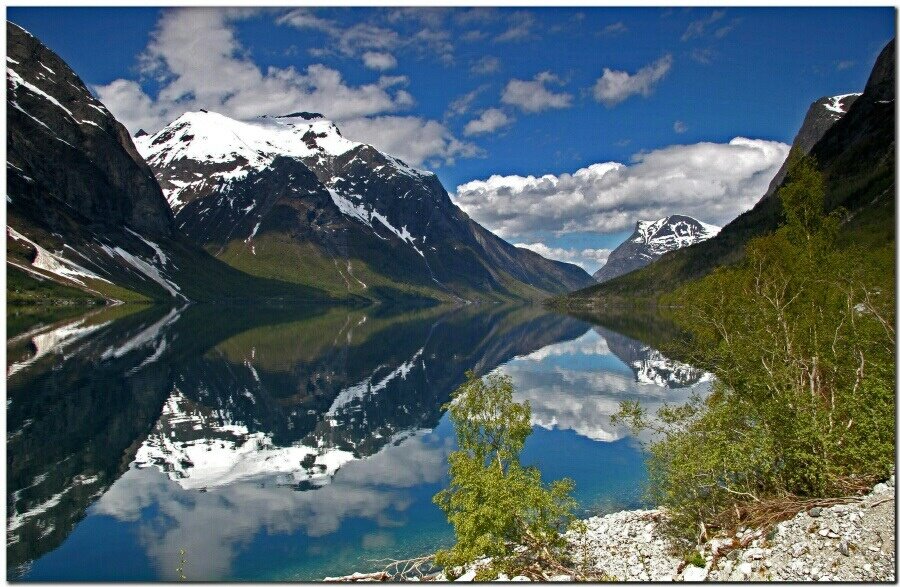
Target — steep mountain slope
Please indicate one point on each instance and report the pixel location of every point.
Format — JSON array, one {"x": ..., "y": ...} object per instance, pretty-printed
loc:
[
  {"x": 651, "y": 240},
  {"x": 857, "y": 156},
  {"x": 821, "y": 116},
  {"x": 83, "y": 208},
  {"x": 290, "y": 197}
]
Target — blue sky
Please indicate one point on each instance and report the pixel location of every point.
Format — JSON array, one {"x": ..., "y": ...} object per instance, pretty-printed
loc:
[{"x": 505, "y": 92}]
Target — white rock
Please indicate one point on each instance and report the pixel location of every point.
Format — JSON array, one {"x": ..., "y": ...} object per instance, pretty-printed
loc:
[
  {"x": 695, "y": 574},
  {"x": 745, "y": 569},
  {"x": 520, "y": 578},
  {"x": 468, "y": 575}
]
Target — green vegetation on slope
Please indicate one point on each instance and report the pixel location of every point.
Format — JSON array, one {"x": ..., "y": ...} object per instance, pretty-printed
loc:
[{"x": 800, "y": 337}]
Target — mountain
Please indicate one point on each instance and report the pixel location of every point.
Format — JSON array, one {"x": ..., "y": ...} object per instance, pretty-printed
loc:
[
  {"x": 83, "y": 208},
  {"x": 289, "y": 197},
  {"x": 821, "y": 116},
  {"x": 652, "y": 239},
  {"x": 856, "y": 154}
]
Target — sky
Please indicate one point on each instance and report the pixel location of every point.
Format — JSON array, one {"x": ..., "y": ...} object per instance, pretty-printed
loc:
[{"x": 557, "y": 129}]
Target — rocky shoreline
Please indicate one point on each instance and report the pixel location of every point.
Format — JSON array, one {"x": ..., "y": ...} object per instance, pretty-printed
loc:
[
  {"x": 853, "y": 541},
  {"x": 847, "y": 542}
]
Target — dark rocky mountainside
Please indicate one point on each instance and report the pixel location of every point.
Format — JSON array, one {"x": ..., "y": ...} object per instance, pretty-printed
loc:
[
  {"x": 289, "y": 197},
  {"x": 821, "y": 116},
  {"x": 652, "y": 239},
  {"x": 856, "y": 153},
  {"x": 83, "y": 208}
]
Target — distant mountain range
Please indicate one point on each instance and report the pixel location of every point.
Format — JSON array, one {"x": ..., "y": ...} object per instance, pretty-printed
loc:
[
  {"x": 651, "y": 240},
  {"x": 282, "y": 207},
  {"x": 851, "y": 137},
  {"x": 255, "y": 193}
]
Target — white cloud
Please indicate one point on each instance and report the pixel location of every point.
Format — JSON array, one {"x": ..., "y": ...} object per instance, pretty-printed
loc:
[
  {"x": 588, "y": 259},
  {"x": 379, "y": 61},
  {"x": 696, "y": 28},
  {"x": 534, "y": 96},
  {"x": 349, "y": 41},
  {"x": 415, "y": 140},
  {"x": 616, "y": 86},
  {"x": 199, "y": 63},
  {"x": 679, "y": 127},
  {"x": 490, "y": 120},
  {"x": 610, "y": 30},
  {"x": 711, "y": 181},
  {"x": 486, "y": 65},
  {"x": 520, "y": 28},
  {"x": 461, "y": 104}
]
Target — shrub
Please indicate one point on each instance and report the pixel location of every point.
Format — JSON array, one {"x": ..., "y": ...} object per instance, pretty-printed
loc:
[
  {"x": 800, "y": 338},
  {"x": 495, "y": 504}
]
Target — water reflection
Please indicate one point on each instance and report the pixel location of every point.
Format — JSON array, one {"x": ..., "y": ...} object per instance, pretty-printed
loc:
[
  {"x": 284, "y": 443},
  {"x": 578, "y": 384}
]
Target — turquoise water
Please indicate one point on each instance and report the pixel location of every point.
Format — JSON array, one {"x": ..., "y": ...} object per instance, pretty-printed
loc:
[{"x": 292, "y": 445}]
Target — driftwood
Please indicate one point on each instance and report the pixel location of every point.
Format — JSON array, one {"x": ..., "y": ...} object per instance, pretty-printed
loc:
[{"x": 359, "y": 577}]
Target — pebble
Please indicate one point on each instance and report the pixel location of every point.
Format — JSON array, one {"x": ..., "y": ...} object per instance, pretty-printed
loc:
[{"x": 629, "y": 546}]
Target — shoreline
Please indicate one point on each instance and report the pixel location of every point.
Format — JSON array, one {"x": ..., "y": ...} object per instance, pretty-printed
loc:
[{"x": 852, "y": 541}]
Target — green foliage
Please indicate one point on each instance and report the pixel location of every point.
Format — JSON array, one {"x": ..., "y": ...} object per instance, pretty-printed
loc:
[
  {"x": 696, "y": 559},
  {"x": 800, "y": 337},
  {"x": 494, "y": 503}
]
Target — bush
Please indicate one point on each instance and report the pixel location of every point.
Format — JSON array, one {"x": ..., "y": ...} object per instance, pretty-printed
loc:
[
  {"x": 495, "y": 504},
  {"x": 800, "y": 338}
]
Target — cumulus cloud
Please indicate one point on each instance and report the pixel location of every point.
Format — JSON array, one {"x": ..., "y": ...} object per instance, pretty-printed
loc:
[
  {"x": 534, "y": 95},
  {"x": 415, "y": 140},
  {"x": 379, "y": 61},
  {"x": 617, "y": 86},
  {"x": 486, "y": 65},
  {"x": 491, "y": 120},
  {"x": 711, "y": 181},
  {"x": 199, "y": 63},
  {"x": 588, "y": 259}
]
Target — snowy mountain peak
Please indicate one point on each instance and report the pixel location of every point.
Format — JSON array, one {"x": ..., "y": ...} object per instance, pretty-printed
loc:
[
  {"x": 203, "y": 148},
  {"x": 652, "y": 239},
  {"x": 839, "y": 104},
  {"x": 210, "y": 137},
  {"x": 672, "y": 232}
]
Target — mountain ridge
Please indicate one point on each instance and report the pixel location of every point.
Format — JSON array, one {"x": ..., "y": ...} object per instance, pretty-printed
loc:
[
  {"x": 255, "y": 191},
  {"x": 652, "y": 239}
]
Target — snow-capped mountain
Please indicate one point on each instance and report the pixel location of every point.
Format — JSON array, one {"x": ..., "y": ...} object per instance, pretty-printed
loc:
[
  {"x": 652, "y": 239},
  {"x": 83, "y": 207},
  {"x": 353, "y": 219},
  {"x": 821, "y": 116}
]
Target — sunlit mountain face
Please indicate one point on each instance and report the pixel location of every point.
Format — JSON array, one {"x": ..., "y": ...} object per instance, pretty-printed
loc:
[{"x": 317, "y": 433}]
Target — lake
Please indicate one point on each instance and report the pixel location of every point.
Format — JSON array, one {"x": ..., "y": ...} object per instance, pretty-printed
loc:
[{"x": 291, "y": 444}]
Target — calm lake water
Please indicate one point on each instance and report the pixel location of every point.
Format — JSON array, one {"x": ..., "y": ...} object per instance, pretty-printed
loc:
[{"x": 291, "y": 444}]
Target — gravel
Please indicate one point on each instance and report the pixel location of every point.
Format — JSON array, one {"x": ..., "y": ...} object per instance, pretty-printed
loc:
[{"x": 848, "y": 542}]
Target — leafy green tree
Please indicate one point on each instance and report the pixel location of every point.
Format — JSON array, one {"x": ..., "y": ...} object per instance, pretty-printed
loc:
[
  {"x": 800, "y": 338},
  {"x": 495, "y": 504}
]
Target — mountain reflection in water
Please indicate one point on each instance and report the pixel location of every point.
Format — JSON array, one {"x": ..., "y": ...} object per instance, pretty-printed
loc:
[{"x": 289, "y": 444}]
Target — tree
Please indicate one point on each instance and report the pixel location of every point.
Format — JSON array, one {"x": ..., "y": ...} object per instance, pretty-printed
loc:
[
  {"x": 800, "y": 338},
  {"x": 495, "y": 504}
]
